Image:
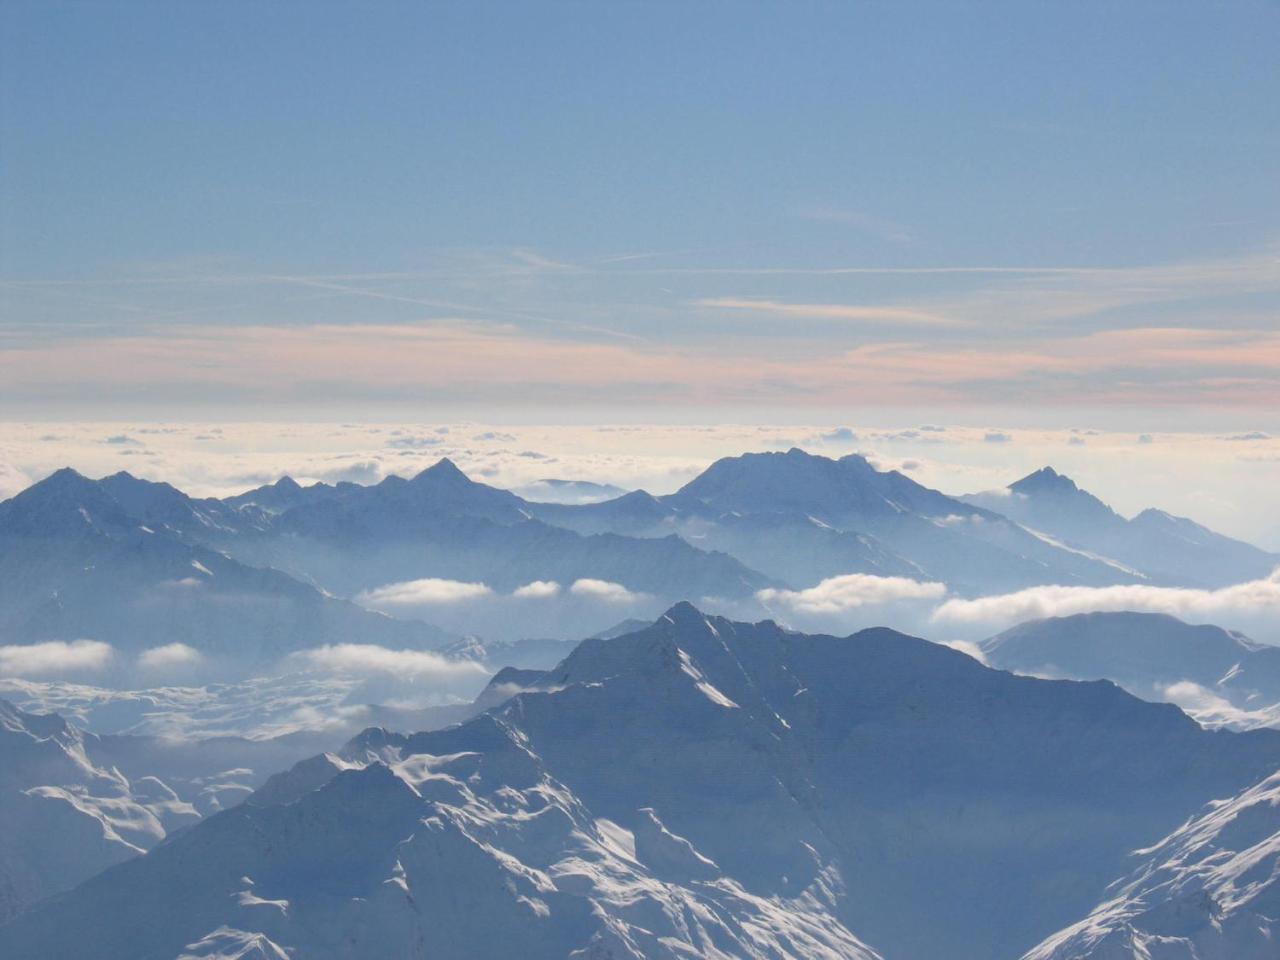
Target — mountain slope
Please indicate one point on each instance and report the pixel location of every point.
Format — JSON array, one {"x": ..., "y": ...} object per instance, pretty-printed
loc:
[
  {"x": 1208, "y": 891},
  {"x": 699, "y": 787},
  {"x": 441, "y": 524},
  {"x": 76, "y": 562},
  {"x": 1166, "y": 549},
  {"x": 1217, "y": 675},
  {"x": 803, "y": 518}
]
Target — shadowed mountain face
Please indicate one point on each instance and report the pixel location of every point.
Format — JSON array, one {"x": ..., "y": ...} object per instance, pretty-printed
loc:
[
  {"x": 1164, "y": 548},
  {"x": 78, "y": 558},
  {"x": 669, "y": 790},
  {"x": 1217, "y": 675}
]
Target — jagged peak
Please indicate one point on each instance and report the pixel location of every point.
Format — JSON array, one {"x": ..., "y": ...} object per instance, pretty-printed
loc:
[
  {"x": 1046, "y": 478},
  {"x": 443, "y": 469},
  {"x": 683, "y": 613}
]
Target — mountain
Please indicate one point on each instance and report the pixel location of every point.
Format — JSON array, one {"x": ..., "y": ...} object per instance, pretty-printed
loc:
[
  {"x": 803, "y": 518},
  {"x": 65, "y": 819},
  {"x": 76, "y": 560},
  {"x": 697, "y": 788},
  {"x": 1219, "y": 676},
  {"x": 1208, "y": 891},
  {"x": 1163, "y": 548},
  {"x": 441, "y": 524}
]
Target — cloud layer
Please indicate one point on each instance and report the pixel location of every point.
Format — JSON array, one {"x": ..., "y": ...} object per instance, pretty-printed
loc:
[
  {"x": 1229, "y": 604},
  {"x": 851, "y": 592}
]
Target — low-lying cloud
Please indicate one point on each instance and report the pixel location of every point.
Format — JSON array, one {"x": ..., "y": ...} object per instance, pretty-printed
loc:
[
  {"x": 1247, "y": 599},
  {"x": 371, "y": 659},
  {"x": 430, "y": 590},
  {"x": 604, "y": 590},
  {"x": 837, "y": 595},
  {"x": 53, "y": 657},
  {"x": 168, "y": 656},
  {"x": 537, "y": 590}
]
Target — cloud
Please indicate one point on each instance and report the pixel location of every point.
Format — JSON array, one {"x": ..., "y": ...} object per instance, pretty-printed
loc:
[
  {"x": 1036, "y": 603},
  {"x": 851, "y": 591},
  {"x": 368, "y": 658},
  {"x": 537, "y": 590},
  {"x": 53, "y": 657},
  {"x": 169, "y": 655},
  {"x": 995, "y": 436},
  {"x": 839, "y": 435},
  {"x": 426, "y": 591},
  {"x": 828, "y": 311},
  {"x": 603, "y": 590}
]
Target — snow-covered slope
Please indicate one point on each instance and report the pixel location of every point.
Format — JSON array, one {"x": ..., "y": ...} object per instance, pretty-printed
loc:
[
  {"x": 698, "y": 788},
  {"x": 1218, "y": 676},
  {"x": 1208, "y": 891},
  {"x": 1165, "y": 548},
  {"x": 64, "y": 817}
]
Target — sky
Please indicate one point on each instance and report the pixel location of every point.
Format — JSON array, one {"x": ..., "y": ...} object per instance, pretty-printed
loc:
[{"x": 1048, "y": 215}]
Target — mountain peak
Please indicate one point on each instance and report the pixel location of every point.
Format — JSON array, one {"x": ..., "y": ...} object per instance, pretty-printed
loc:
[
  {"x": 442, "y": 469},
  {"x": 1045, "y": 479},
  {"x": 683, "y": 613},
  {"x": 287, "y": 483}
]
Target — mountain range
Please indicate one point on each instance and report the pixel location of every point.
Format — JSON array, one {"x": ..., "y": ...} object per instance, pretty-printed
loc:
[
  {"x": 700, "y": 787},
  {"x": 1166, "y": 549},
  {"x": 138, "y": 563}
]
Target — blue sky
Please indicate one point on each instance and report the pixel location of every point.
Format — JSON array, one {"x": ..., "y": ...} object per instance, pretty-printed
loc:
[{"x": 686, "y": 209}]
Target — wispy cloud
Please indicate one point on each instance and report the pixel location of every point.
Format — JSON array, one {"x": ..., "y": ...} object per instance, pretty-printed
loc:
[
  {"x": 364, "y": 658},
  {"x": 841, "y": 312}
]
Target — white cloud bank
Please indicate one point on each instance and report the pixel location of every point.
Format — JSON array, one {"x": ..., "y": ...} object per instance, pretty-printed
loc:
[
  {"x": 169, "y": 655},
  {"x": 537, "y": 590},
  {"x": 1250, "y": 599},
  {"x": 837, "y": 595},
  {"x": 604, "y": 590},
  {"x": 53, "y": 657},
  {"x": 431, "y": 590},
  {"x": 371, "y": 659}
]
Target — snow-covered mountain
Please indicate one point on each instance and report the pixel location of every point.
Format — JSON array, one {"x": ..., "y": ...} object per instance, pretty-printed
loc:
[
  {"x": 64, "y": 817},
  {"x": 77, "y": 561},
  {"x": 802, "y": 518},
  {"x": 1208, "y": 891},
  {"x": 1219, "y": 676},
  {"x": 697, "y": 788},
  {"x": 441, "y": 524},
  {"x": 1166, "y": 549}
]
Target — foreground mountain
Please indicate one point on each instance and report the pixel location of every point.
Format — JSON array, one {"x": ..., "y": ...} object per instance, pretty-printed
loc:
[
  {"x": 803, "y": 518},
  {"x": 75, "y": 561},
  {"x": 697, "y": 788},
  {"x": 1208, "y": 891},
  {"x": 1164, "y": 548},
  {"x": 1219, "y": 676}
]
